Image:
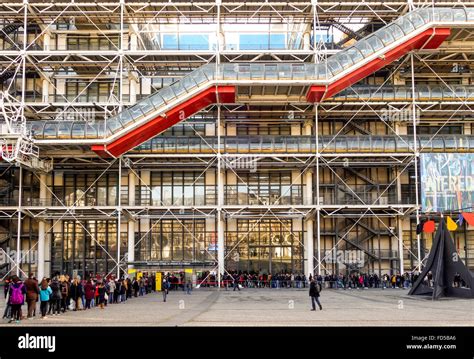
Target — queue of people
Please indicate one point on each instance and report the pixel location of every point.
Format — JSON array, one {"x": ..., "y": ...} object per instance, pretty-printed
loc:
[
  {"x": 243, "y": 279},
  {"x": 62, "y": 293},
  {"x": 355, "y": 280}
]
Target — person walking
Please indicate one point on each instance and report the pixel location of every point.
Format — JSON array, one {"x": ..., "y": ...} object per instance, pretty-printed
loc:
[
  {"x": 32, "y": 292},
  {"x": 314, "y": 291},
  {"x": 236, "y": 282},
  {"x": 165, "y": 289},
  {"x": 189, "y": 287},
  {"x": 45, "y": 293}
]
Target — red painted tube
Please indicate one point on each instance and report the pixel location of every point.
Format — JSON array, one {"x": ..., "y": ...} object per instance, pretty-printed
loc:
[
  {"x": 225, "y": 94},
  {"x": 429, "y": 39}
]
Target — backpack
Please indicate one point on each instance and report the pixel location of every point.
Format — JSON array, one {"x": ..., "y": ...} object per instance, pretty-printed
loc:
[{"x": 16, "y": 296}]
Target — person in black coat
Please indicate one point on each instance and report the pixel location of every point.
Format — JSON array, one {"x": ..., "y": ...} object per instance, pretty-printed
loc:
[
  {"x": 76, "y": 293},
  {"x": 136, "y": 287},
  {"x": 314, "y": 291}
]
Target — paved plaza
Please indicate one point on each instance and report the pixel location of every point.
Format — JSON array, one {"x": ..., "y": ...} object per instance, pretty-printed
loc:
[{"x": 270, "y": 307}]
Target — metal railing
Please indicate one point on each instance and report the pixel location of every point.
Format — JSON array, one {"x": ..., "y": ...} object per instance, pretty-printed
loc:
[{"x": 307, "y": 144}]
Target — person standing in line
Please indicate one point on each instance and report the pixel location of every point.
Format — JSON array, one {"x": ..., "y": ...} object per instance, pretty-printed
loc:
[
  {"x": 55, "y": 296},
  {"x": 135, "y": 287},
  {"x": 129, "y": 288},
  {"x": 32, "y": 292},
  {"x": 76, "y": 293},
  {"x": 45, "y": 293},
  {"x": 89, "y": 291},
  {"x": 112, "y": 287},
  {"x": 67, "y": 280},
  {"x": 141, "y": 285},
  {"x": 123, "y": 291},
  {"x": 16, "y": 297},
  {"x": 6, "y": 287},
  {"x": 314, "y": 294},
  {"x": 116, "y": 291},
  {"x": 64, "y": 292},
  {"x": 8, "y": 309},
  {"x": 101, "y": 291}
]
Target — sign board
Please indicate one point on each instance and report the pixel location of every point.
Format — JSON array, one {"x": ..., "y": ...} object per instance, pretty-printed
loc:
[{"x": 447, "y": 181}]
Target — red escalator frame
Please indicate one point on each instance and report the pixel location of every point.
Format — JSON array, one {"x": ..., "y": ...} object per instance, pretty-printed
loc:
[
  {"x": 225, "y": 94},
  {"x": 429, "y": 39}
]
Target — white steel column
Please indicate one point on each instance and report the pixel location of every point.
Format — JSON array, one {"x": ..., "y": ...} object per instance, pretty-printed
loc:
[
  {"x": 318, "y": 202},
  {"x": 309, "y": 223},
  {"x": 399, "y": 221},
  {"x": 416, "y": 156},
  {"x": 220, "y": 173},
  {"x": 18, "y": 230},
  {"x": 121, "y": 56},
  {"x": 119, "y": 213},
  {"x": 123, "y": 47},
  {"x": 23, "y": 93},
  {"x": 131, "y": 223},
  {"x": 220, "y": 201},
  {"x": 41, "y": 232}
]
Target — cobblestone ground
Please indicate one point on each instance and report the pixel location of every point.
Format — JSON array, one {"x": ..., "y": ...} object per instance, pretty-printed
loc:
[{"x": 268, "y": 307}]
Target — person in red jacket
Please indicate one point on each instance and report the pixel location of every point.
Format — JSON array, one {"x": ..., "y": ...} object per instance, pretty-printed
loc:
[{"x": 89, "y": 290}]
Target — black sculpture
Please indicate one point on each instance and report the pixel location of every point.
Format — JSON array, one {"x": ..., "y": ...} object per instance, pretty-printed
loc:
[{"x": 444, "y": 263}]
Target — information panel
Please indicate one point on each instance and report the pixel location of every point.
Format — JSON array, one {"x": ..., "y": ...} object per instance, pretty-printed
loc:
[{"x": 447, "y": 181}]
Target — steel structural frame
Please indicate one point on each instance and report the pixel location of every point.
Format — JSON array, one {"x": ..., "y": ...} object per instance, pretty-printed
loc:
[{"x": 219, "y": 11}]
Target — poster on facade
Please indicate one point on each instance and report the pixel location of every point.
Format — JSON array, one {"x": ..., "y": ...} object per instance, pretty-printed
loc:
[
  {"x": 447, "y": 182},
  {"x": 158, "y": 281}
]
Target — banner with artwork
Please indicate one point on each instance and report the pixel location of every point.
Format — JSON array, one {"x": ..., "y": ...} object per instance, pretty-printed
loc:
[{"x": 447, "y": 182}]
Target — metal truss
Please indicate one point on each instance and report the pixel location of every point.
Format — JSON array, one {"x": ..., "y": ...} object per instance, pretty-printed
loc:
[{"x": 131, "y": 54}]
